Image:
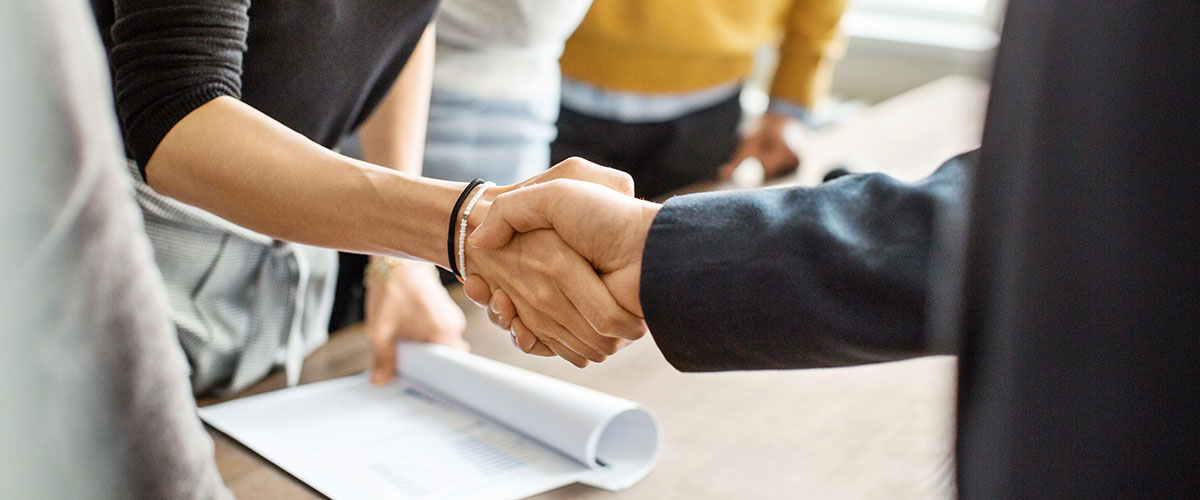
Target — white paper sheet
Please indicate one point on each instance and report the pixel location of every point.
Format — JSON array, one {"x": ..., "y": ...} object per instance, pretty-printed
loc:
[{"x": 453, "y": 426}]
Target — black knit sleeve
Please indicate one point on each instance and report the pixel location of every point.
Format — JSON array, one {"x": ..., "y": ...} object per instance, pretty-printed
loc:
[{"x": 169, "y": 58}]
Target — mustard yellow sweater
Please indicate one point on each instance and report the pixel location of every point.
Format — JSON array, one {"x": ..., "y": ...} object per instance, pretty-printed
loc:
[{"x": 675, "y": 46}]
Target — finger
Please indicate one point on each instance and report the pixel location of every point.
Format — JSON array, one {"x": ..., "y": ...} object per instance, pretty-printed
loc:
[
  {"x": 477, "y": 289},
  {"x": 523, "y": 338},
  {"x": 526, "y": 341},
  {"x": 596, "y": 305},
  {"x": 383, "y": 364},
  {"x": 563, "y": 351},
  {"x": 540, "y": 349},
  {"x": 498, "y": 318},
  {"x": 726, "y": 171},
  {"x": 549, "y": 316},
  {"x": 779, "y": 160},
  {"x": 602, "y": 346},
  {"x": 546, "y": 327},
  {"x": 501, "y": 310},
  {"x": 519, "y": 211},
  {"x": 551, "y": 332}
]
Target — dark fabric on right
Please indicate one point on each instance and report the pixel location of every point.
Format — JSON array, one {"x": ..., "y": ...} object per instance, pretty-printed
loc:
[
  {"x": 660, "y": 156},
  {"x": 832, "y": 275},
  {"x": 1071, "y": 288},
  {"x": 1080, "y": 323}
]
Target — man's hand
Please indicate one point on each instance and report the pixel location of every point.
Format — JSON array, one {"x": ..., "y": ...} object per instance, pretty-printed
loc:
[
  {"x": 777, "y": 141},
  {"x": 406, "y": 301},
  {"x": 605, "y": 227},
  {"x": 558, "y": 295}
]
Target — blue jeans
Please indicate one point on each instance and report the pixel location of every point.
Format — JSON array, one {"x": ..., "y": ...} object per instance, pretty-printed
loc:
[{"x": 503, "y": 141}]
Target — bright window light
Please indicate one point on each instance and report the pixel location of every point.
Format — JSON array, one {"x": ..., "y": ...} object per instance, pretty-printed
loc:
[{"x": 959, "y": 7}]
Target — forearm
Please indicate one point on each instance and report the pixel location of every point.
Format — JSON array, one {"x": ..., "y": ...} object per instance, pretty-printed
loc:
[
  {"x": 236, "y": 162},
  {"x": 394, "y": 135},
  {"x": 795, "y": 278},
  {"x": 810, "y": 45}
]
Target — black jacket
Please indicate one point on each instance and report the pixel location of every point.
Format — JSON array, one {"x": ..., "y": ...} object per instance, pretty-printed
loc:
[{"x": 1068, "y": 283}]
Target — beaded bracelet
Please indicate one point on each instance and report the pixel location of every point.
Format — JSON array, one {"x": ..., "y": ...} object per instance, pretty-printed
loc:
[
  {"x": 462, "y": 231},
  {"x": 454, "y": 224}
]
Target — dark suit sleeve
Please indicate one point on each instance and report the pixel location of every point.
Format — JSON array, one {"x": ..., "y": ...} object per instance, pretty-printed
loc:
[
  {"x": 169, "y": 58},
  {"x": 801, "y": 277}
]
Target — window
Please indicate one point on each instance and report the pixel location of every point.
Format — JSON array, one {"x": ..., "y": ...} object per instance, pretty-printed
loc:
[
  {"x": 934, "y": 8},
  {"x": 971, "y": 25}
]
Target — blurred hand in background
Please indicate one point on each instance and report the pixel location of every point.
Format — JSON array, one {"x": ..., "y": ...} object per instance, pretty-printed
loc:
[{"x": 777, "y": 140}]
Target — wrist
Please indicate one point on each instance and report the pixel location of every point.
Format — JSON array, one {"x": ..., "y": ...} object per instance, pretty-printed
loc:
[
  {"x": 778, "y": 122},
  {"x": 459, "y": 229},
  {"x": 788, "y": 109},
  {"x": 413, "y": 217},
  {"x": 479, "y": 213},
  {"x": 474, "y": 220},
  {"x": 649, "y": 211}
]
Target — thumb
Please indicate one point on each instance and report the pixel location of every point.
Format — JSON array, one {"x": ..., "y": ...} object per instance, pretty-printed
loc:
[
  {"x": 477, "y": 289},
  {"x": 522, "y": 211},
  {"x": 493, "y": 232}
]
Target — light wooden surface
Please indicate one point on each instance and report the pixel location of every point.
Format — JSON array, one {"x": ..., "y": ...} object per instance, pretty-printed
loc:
[{"x": 882, "y": 431}]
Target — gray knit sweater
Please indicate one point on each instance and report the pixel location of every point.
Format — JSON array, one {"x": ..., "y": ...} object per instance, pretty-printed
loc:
[{"x": 94, "y": 395}]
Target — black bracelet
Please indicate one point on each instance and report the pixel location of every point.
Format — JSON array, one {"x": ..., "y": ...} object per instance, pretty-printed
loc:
[{"x": 462, "y": 198}]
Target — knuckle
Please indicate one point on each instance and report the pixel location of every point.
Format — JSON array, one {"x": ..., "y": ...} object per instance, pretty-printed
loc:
[
  {"x": 574, "y": 163},
  {"x": 523, "y": 341},
  {"x": 542, "y": 299},
  {"x": 623, "y": 181},
  {"x": 499, "y": 202},
  {"x": 604, "y": 325},
  {"x": 634, "y": 330},
  {"x": 610, "y": 347},
  {"x": 593, "y": 355}
]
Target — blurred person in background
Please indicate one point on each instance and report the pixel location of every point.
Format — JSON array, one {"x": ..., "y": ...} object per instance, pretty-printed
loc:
[
  {"x": 496, "y": 87},
  {"x": 652, "y": 88},
  {"x": 96, "y": 401}
]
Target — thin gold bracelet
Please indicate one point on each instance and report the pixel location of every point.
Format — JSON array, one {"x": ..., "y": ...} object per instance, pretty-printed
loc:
[{"x": 380, "y": 268}]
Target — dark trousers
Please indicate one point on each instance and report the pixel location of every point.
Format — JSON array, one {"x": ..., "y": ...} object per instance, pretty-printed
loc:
[{"x": 661, "y": 156}]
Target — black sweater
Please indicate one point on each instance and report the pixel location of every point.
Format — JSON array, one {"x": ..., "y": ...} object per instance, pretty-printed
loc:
[{"x": 318, "y": 66}]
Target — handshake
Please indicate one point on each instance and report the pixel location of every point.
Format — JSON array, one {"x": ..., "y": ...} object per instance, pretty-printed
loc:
[{"x": 557, "y": 261}]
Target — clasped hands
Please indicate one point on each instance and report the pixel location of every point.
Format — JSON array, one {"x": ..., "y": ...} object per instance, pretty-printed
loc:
[{"x": 557, "y": 261}]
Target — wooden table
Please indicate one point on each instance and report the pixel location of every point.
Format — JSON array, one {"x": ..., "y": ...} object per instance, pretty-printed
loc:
[{"x": 881, "y": 431}]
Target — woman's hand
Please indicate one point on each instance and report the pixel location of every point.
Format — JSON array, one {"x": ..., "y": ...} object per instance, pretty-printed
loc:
[{"x": 406, "y": 301}]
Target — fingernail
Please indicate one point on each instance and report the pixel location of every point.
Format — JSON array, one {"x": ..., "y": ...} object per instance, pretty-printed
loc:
[{"x": 513, "y": 336}]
